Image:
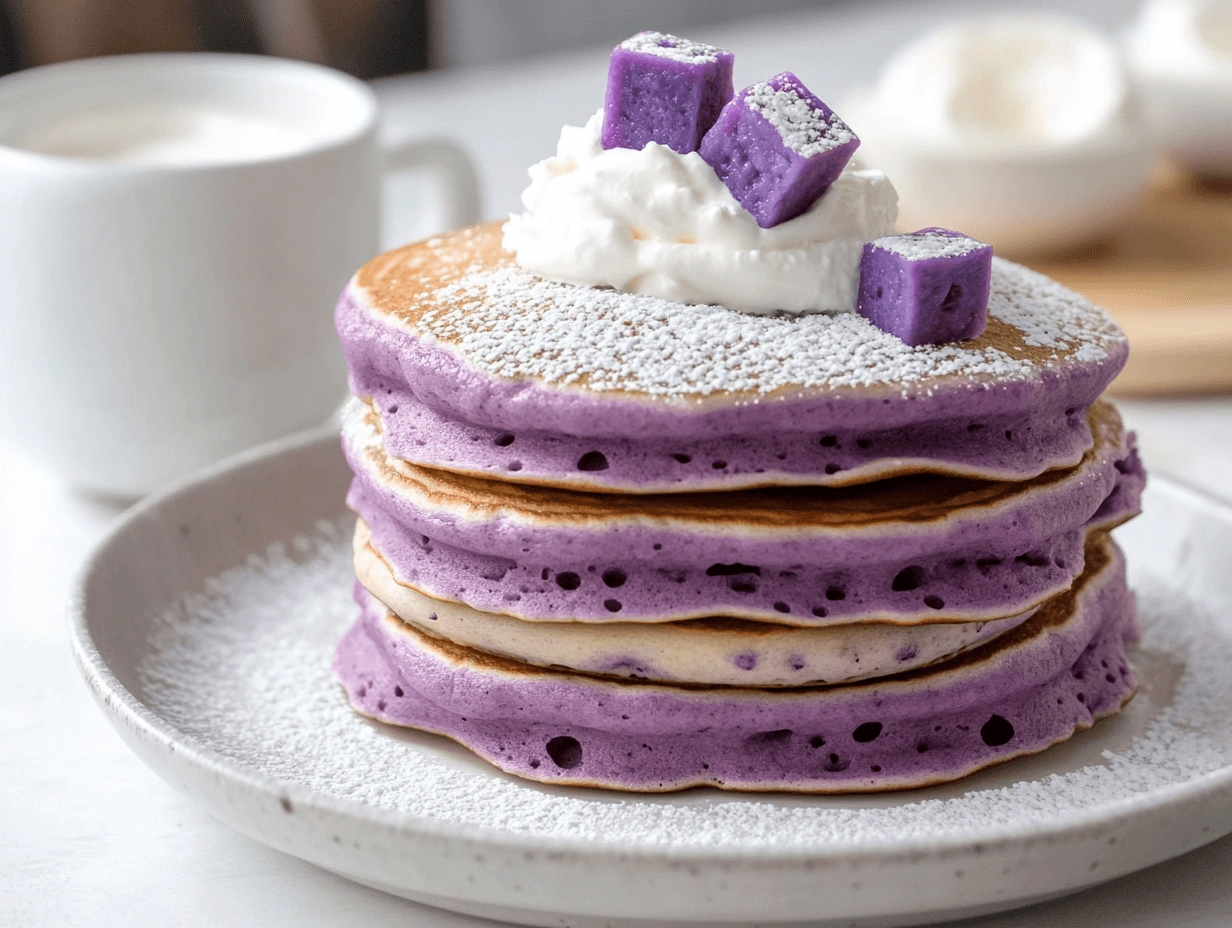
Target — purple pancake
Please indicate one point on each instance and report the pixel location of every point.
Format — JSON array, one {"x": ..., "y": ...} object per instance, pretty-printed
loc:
[
  {"x": 480, "y": 368},
  {"x": 1030, "y": 688},
  {"x": 917, "y": 549}
]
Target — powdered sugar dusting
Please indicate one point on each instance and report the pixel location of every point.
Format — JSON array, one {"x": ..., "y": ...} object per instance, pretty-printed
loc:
[
  {"x": 1049, "y": 315},
  {"x": 805, "y": 129},
  {"x": 928, "y": 243},
  {"x": 511, "y": 324},
  {"x": 673, "y": 47},
  {"x": 243, "y": 668}
]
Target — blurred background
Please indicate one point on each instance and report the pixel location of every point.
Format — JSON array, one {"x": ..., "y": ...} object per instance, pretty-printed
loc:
[
  {"x": 368, "y": 38},
  {"x": 1130, "y": 145}
]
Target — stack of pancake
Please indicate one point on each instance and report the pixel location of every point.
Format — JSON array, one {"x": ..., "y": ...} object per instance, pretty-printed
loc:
[{"x": 610, "y": 540}]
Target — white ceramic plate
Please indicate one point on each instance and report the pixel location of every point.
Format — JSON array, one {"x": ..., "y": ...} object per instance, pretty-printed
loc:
[{"x": 205, "y": 624}]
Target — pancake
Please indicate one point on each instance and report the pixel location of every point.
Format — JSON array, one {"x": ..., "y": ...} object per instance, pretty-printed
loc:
[
  {"x": 718, "y": 651},
  {"x": 919, "y": 549},
  {"x": 480, "y": 368},
  {"x": 1031, "y": 687}
]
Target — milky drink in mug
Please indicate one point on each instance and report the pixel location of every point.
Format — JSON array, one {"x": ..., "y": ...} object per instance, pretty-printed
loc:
[{"x": 177, "y": 229}]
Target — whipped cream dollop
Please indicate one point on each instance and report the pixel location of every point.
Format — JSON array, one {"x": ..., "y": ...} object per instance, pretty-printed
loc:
[{"x": 658, "y": 223}]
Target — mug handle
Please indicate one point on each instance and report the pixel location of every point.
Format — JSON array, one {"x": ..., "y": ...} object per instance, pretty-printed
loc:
[{"x": 452, "y": 167}]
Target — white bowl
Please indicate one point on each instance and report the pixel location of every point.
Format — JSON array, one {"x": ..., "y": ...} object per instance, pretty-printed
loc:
[
  {"x": 1019, "y": 201},
  {"x": 1178, "y": 52},
  {"x": 1022, "y": 130}
]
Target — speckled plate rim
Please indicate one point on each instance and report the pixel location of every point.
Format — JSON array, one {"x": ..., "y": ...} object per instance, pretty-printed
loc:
[{"x": 1176, "y": 818}]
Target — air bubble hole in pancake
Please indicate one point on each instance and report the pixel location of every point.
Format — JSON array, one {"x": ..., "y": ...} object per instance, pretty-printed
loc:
[
  {"x": 592, "y": 461},
  {"x": 566, "y": 752},
  {"x": 614, "y": 578},
  {"x": 867, "y": 731},
  {"x": 907, "y": 579},
  {"x": 998, "y": 731}
]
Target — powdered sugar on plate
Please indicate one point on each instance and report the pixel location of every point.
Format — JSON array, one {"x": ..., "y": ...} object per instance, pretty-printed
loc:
[{"x": 243, "y": 668}]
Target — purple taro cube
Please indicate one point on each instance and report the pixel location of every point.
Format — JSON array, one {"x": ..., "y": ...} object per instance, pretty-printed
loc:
[
  {"x": 926, "y": 287},
  {"x": 664, "y": 89},
  {"x": 778, "y": 148}
]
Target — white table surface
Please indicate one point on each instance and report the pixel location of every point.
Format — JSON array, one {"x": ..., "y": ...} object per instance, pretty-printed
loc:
[{"x": 89, "y": 836}]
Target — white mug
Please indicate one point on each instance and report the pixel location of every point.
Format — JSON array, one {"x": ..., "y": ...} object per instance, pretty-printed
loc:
[{"x": 174, "y": 232}]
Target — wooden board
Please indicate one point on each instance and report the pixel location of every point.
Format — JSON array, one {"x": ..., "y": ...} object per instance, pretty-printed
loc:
[{"x": 1166, "y": 275}]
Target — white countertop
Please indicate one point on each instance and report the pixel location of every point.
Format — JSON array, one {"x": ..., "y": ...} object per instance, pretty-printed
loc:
[{"x": 89, "y": 836}]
